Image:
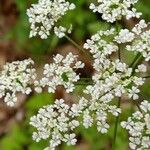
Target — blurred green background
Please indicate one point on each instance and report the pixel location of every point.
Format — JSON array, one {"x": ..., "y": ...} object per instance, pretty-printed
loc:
[{"x": 15, "y": 131}]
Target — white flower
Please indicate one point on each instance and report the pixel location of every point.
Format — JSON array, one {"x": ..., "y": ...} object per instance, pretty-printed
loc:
[
  {"x": 70, "y": 139},
  {"x": 44, "y": 15},
  {"x": 61, "y": 72},
  {"x": 113, "y": 10},
  {"x": 139, "y": 81},
  {"x": 138, "y": 27},
  {"x": 102, "y": 127},
  {"x": 145, "y": 106},
  {"x": 146, "y": 142},
  {"x": 16, "y": 77},
  {"x": 124, "y": 36},
  {"x": 133, "y": 93},
  {"x": 10, "y": 99},
  {"x": 114, "y": 110},
  {"x": 87, "y": 119},
  {"x": 60, "y": 31},
  {"x": 141, "y": 68}
]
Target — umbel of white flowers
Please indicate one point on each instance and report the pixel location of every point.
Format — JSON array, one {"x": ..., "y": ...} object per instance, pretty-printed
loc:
[
  {"x": 15, "y": 77},
  {"x": 56, "y": 122},
  {"x": 113, "y": 10},
  {"x": 61, "y": 72},
  {"x": 44, "y": 16}
]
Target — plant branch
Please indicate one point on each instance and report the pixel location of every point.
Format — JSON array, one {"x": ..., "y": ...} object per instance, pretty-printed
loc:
[{"x": 79, "y": 47}]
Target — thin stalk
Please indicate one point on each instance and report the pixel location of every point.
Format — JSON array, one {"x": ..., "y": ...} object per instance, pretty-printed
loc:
[
  {"x": 136, "y": 59},
  {"x": 137, "y": 105},
  {"x": 135, "y": 62},
  {"x": 146, "y": 77},
  {"x": 78, "y": 46},
  {"x": 119, "y": 49},
  {"x": 119, "y": 53},
  {"x": 84, "y": 81},
  {"x": 116, "y": 126}
]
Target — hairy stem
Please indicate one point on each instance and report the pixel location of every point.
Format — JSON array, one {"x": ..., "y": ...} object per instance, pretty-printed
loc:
[{"x": 116, "y": 126}]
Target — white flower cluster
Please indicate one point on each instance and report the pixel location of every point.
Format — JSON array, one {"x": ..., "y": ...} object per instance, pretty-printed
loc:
[
  {"x": 60, "y": 31},
  {"x": 115, "y": 77},
  {"x": 141, "y": 42},
  {"x": 112, "y": 74},
  {"x": 44, "y": 16},
  {"x": 124, "y": 36},
  {"x": 97, "y": 110},
  {"x": 111, "y": 78},
  {"x": 138, "y": 126},
  {"x": 61, "y": 72},
  {"x": 56, "y": 122},
  {"x": 137, "y": 40},
  {"x": 113, "y": 10},
  {"x": 15, "y": 77},
  {"x": 101, "y": 44}
]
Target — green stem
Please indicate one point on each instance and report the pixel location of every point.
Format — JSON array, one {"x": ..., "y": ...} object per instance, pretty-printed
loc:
[
  {"x": 136, "y": 57},
  {"x": 84, "y": 81},
  {"x": 137, "y": 105},
  {"x": 78, "y": 46},
  {"x": 135, "y": 62},
  {"x": 119, "y": 49},
  {"x": 116, "y": 126}
]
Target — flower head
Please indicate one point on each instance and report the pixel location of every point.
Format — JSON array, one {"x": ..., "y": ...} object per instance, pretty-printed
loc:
[
  {"x": 15, "y": 77},
  {"x": 44, "y": 16},
  {"x": 113, "y": 10},
  {"x": 54, "y": 122},
  {"x": 61, "y": 72}
]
